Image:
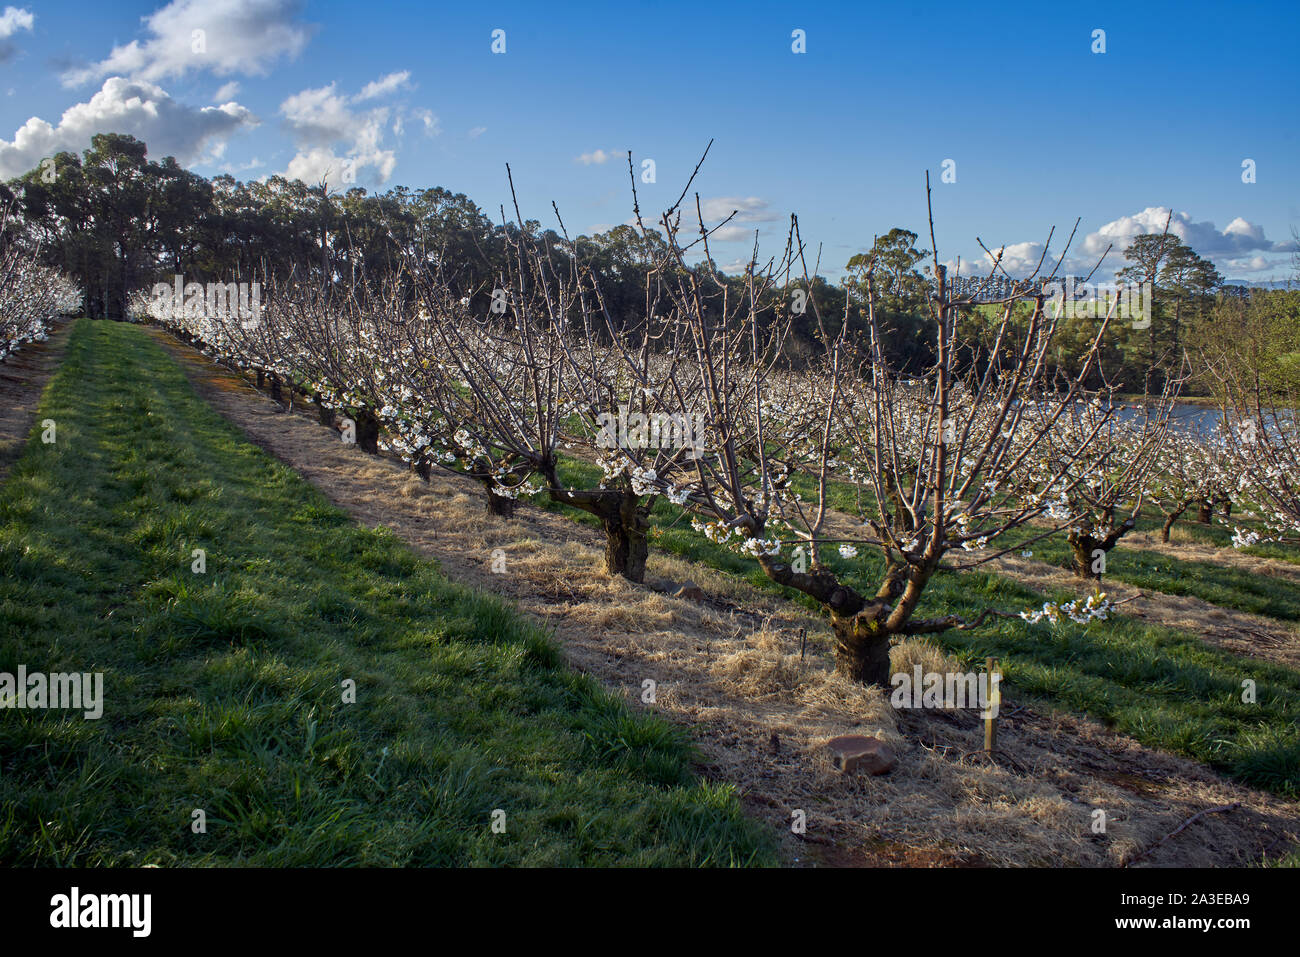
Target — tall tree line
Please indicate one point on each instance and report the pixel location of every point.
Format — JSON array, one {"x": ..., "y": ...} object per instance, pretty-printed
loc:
[{"x": 118, "y": 222}]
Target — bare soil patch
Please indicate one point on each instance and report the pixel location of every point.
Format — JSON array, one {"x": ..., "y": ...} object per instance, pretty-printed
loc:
[
  {"x": 22, "y": 379},
  {"x": 731, "y": 669}
]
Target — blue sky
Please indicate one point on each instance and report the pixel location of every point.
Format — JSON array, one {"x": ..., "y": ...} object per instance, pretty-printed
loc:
[{"x": 1041, "y": 129}]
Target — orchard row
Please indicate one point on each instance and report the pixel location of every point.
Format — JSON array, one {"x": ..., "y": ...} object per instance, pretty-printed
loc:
[{"x": 991, "y": 439}]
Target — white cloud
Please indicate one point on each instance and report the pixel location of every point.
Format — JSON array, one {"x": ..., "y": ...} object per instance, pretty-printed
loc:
[
  {"x": 431, "y": 124},
  {"x": 599, "y": 157},
  {"x": 224, "y": 36},
  {"x": 384, "y": 85},
  {"x": 731, "y": 233},
  {"x": 477, "y": 131},
  {"x": 1243, "y": 267},
  {"x": 1018, "y": 259},
  {"x": 11, "y": 21},
  {"x": 320, "y": 116},
  {"x": 735, "y": 267},
  {"x": 336, "y": 143},
  {"x": 139, "y": 109},
  {"x": 748, "y": 209},
  {"x": 322, "y": 164},
  {"x": 227, "y": 91},
  {"x": 1251, "y": 264},
  {"x": 1238, "y": 237}
]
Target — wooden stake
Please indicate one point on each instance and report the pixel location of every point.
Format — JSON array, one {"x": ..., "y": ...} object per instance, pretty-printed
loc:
[{"x": 991, "y": 708}]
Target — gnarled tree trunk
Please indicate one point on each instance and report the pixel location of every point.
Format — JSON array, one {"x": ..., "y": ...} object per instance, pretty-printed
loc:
[
  {"x": 862, "y": 646},
  {"x": 626, "y": 548},
  {"x": 623, "y": 516},
  {"x": 1170, "y": 519},
  {"x": 1082, "y": 549},
  {"x": 502, "y": 506},
  {"x": 367, "y": 433},
  {"x": 1085, "y": 548},
  {"x": 863, "y": 629},
  {"x": 325, "y": 415}
]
